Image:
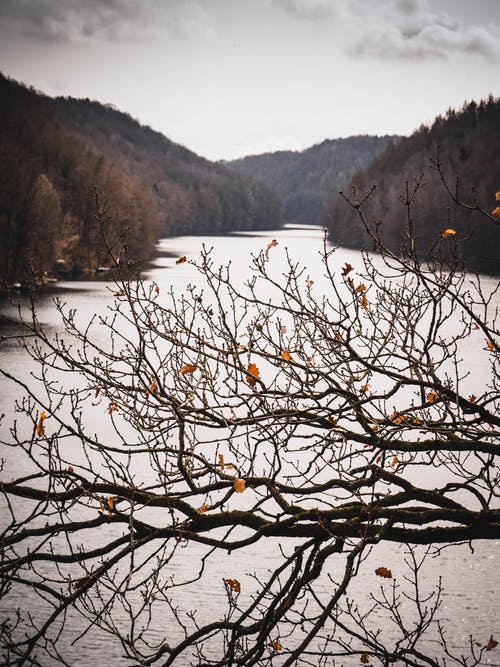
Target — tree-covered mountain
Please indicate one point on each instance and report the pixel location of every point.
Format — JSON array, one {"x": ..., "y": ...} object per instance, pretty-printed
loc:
[
  {"x": 53, "y": 152},
  {"x": 306, "y": 179},
  {"x": 468, "y": 141}
]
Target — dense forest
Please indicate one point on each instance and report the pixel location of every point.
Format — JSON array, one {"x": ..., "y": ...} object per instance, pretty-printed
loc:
[
  {"x": 53, "y": 152},
  {"x": 306, "y": 179},
  {"x": 468, "y": 142}
]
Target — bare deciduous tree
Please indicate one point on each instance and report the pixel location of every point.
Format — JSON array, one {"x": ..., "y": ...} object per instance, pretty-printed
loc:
[{"x": 307, "y": 423}]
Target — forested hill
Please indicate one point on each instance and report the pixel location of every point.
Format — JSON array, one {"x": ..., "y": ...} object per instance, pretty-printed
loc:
[
  {"x": 306, "y": 179},
  {"x": 54, "y": 151},
  {"x": 468, "y": 142}
]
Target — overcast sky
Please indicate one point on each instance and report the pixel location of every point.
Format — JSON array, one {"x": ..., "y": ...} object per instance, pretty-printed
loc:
[{"x": 228, "y": 78}]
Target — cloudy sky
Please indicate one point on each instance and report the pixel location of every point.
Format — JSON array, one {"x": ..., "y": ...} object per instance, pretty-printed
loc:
[{"x": 233, "y": 77}]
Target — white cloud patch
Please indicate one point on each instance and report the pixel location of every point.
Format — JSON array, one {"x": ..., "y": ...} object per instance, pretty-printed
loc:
[
  {"x": 409, "y": 29},
  {"x": 104, "y": 20}
]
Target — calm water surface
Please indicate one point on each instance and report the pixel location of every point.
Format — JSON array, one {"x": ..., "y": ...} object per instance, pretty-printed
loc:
[{"x": 471, "y": 601}]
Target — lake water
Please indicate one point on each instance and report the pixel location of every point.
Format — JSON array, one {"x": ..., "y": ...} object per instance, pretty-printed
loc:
[{"x": 471, "y": 602}]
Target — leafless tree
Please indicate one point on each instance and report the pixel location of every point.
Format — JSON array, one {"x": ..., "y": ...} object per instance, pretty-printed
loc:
[{"x": 306, "y": 420}]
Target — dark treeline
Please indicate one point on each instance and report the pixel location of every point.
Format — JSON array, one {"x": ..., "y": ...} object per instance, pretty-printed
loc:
[
  {"x": 54, "y": 152},
  {"x": 306, "y": 179},
  {"x": 468, "y": 142},
  {"x": 191, "y": 195}
]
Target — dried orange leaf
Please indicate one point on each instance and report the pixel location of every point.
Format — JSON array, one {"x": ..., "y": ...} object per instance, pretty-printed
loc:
[
  {"x": 157, "y": 290},
  {"x": 112, "y": 407},
  {"x": 360, "y": 288},
  {"x": 492, "y": 643},
  {"x": 432, "y": 397},
  {"x": 346, "y": 269},
  {"x": 252, "y": 374},
  {"x": 363, "y": 301},
  {"x": 490, "y": 344},
  {"x": 239, "y": 485},
  {"x": 181, "y": 260},
  {"x": 383, "y": 572},
  {"x": 364, "y": 389},
  {"x": 186, "y": 369},
  {"x": 221, "y": 461},
  {"x": 40, "y": 428},
  {"x": 394, "y": 461},
  {"x": 396, "y": 418},
  {"x": 233, "y": 585},
  {"x": 204, "y": 508},
  {"x": 497, "y": 196},
  {"x": 449, "y": 232},
  {"x": 472, "y": 398},
  {"x": 286, "y": 355},
  {"x": 277, "y": 646},
  {"x": 270, "y": 245},
  {"x": 111, "y": 504},
  {"x": 365, "y": 659},
  {"x": 152, "y": 388},
  {"x": 496, "y": 212}
]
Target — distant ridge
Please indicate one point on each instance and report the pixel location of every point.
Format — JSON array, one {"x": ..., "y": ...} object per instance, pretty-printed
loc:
[{"x": 306, "y": 179}]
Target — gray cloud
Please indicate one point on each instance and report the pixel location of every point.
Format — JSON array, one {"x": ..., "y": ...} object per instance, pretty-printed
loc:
[
  {"x": 313, "y": 10},
  {"x": 409, "y": 29},
  {"x": 103, "y": 20}
]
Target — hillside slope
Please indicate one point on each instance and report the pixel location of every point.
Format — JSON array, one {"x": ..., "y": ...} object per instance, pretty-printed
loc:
[
  {"x": 468, "y": 142},
  {"x": 306, "y": 179},
  {"x": 191, "y": 194},
  {"x": 53, "y": 152}
]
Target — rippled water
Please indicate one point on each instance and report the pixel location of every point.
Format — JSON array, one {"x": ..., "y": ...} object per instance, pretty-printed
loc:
[{"x": 471, "y": 603}]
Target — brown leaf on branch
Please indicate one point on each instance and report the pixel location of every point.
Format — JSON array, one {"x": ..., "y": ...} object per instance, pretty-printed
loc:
[
  {"x": 492, "y": 643},
  {"x": 271, "y": 244},
  {"x": 497, "y": 195},
  {"x": 490, "y": 344},
  {"x": 360, "y": 288},
  {"x": 496, "y": 212},
  {"x": 221, "y": 461},
  {"x": 239, "y": 485},
  {"x": 40, "y": 428},
  {"x": 204, "y": 508},
  {"x": 233, "y": 585},
  {"x": 363, "y": 301},
  {"x": 365, "y": 659},
  {"x": 432, "y": 397},
  {"x": 286, "y": 355},
  {"x": 346, "y": 269},
  {"x": 112, "y": 407},
  {"x": 448, "y": 232},
  {"x": 383, "y": 572},
  {"x": 277, "y": 646},
  {"x": 111, "y": 504},
  {"x": 181, "y": 260},
  {"x": 152, "y": 388},
  {"x": 252, "y": 374},
  {"x": 187, "y": 369}
]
